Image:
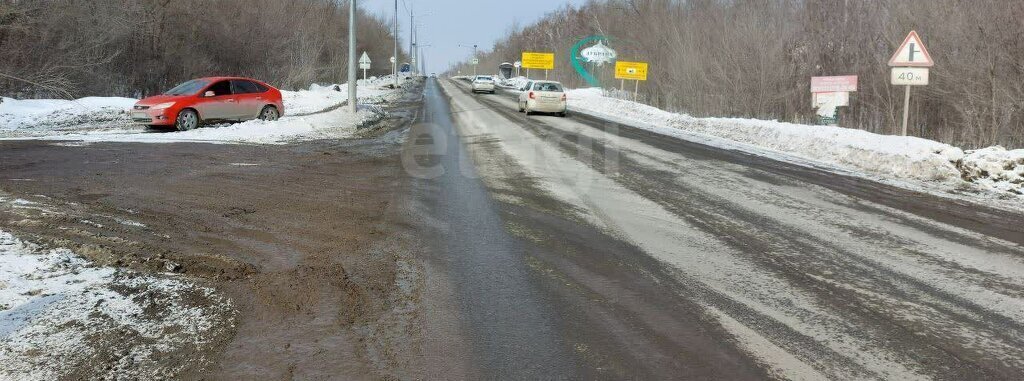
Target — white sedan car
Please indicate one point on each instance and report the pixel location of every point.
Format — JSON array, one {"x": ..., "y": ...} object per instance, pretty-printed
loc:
[
  {"x": 483, "y": 84},
  {"x": 543, "y": 96}
]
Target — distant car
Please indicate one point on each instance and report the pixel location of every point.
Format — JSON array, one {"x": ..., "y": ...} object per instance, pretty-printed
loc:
[
  {"x": 483, "y": 84},
  {"x": 190, "y": 104},
  {"x": 543, "y": 96}
]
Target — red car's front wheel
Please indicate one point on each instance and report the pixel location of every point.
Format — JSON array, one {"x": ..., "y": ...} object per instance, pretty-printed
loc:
[{"x": 187, "y": 120}]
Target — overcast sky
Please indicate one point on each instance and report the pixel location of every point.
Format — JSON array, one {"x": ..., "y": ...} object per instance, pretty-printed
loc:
[{"x": 446, "y": 24}]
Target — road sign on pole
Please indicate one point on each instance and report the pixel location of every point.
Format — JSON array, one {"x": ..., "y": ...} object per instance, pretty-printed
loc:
[
  {"x": 543, "y": 61},
  {"x": 910, "y": 68},
  {"x": 909, "y": 76},
  {"x": 635, "y": 71},
  {"x": 518, "y": 65},
  {"x": 364, "y": 63},
  {"x": 912, "y": 53}
]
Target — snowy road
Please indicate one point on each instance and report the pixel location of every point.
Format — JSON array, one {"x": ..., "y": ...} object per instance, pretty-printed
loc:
[{"x": 653, "y": 256}]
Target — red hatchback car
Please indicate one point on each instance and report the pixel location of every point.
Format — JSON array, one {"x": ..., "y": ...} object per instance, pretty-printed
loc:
[{"x": 190, "y": 104}]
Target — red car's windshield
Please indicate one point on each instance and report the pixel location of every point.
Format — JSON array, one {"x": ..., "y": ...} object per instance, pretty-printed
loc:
[{"x": 188, "y": 88}]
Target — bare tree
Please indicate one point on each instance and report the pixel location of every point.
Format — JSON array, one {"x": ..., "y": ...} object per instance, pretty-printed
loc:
[{"x": 754, "y": 58}]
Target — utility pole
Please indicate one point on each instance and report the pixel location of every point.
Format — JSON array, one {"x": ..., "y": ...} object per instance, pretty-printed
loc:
[
  {"x": 412, "y": 39},
  {"x": 415, "y": 53},
  {"x": 394, "y": 65},
  {"x": 352, "y": 56},
  {"x": 475, "y": 58}
]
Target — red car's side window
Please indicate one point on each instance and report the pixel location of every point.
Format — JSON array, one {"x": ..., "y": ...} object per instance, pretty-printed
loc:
[
  {"x": 245, "y": 87},
  {"x": 220, "y": 88}
]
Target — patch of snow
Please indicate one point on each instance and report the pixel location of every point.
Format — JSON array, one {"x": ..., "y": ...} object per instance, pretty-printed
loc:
[{"x": 59, "y": 313}]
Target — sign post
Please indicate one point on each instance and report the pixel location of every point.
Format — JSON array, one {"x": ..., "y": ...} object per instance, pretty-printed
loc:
[
  {"x": 636, "y": 71},
  {"x": 364, "y": 63},
  {"x": 910, "y": 66},
  {"x": 518, "y": 65},
  {"x": 394, "y": 69},
  {"x": 544, "y": 61},
  {"x": 474, "y": 61}
]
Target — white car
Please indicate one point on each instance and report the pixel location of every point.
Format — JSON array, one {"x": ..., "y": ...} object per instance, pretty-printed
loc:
[
  {"x": 483, "y": 84},
  {"x": 543, "y": 96}
]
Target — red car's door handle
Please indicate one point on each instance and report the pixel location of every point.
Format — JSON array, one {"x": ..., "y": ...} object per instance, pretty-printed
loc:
[{"x": 230, "y": 100}]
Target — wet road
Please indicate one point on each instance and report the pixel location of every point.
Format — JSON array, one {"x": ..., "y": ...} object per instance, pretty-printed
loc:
[
  {"x": 583, "y": 249},
  {"x": 510, "y": 319}
]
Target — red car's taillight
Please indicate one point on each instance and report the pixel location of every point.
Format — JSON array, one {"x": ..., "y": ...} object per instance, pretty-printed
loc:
[{"x": 532, "y": 95}]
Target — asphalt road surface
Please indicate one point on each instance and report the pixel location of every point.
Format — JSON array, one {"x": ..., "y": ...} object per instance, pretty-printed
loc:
[
  {"x": 465, "y": 240},
  {"x": 654, "y": 257}
]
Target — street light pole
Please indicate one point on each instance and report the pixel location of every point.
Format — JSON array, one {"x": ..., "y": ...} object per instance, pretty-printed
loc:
[
  {"x": 394, "y": 65},
  {"x": 412, "y": 40},
  {"x": 352, "y": 56},
  {"x": 415, "y": 53}
]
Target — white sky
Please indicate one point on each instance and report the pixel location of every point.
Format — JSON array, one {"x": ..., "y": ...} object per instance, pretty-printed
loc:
[{"x": 446, "y": 24}]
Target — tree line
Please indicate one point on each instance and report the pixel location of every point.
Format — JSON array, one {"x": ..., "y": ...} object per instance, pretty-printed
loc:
[
  {"x": 755, "y": 59},
  {"x": 72, "y": 48}
]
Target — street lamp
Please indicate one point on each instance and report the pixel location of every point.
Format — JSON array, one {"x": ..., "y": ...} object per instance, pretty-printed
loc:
[{"x": 475, "y": 61}]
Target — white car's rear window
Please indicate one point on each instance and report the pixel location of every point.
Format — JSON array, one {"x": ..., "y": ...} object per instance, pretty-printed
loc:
[{"x": 547, "y": 87}]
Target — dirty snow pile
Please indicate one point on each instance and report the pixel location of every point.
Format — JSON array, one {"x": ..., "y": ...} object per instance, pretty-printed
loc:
[
  {"x": 995, "y": 168},
  {"x": 33, "y": 116},
  {"x": 62, "y": 318},
  {"x": 858, "y": 151},
  {"x": 514, "y": 82}
]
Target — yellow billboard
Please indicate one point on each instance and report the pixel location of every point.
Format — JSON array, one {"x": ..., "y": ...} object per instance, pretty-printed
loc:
[
  {"x": 543, "y": 61},
  {"x": 631, "y": 70}
]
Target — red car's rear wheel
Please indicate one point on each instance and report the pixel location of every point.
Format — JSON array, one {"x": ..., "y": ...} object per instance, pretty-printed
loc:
[{"x": 270, "y": 113}]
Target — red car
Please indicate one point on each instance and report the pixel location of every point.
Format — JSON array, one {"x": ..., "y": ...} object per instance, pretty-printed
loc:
[{"x": 202, "y": 100}]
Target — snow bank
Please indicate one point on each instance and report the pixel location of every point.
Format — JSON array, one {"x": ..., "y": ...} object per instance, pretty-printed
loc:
[
  {"x": 309, "y": 114},
  {"x": 337, "y": 123},
  {"x": 59, "y": 314},
  {"x": 889, "y": 156}
]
